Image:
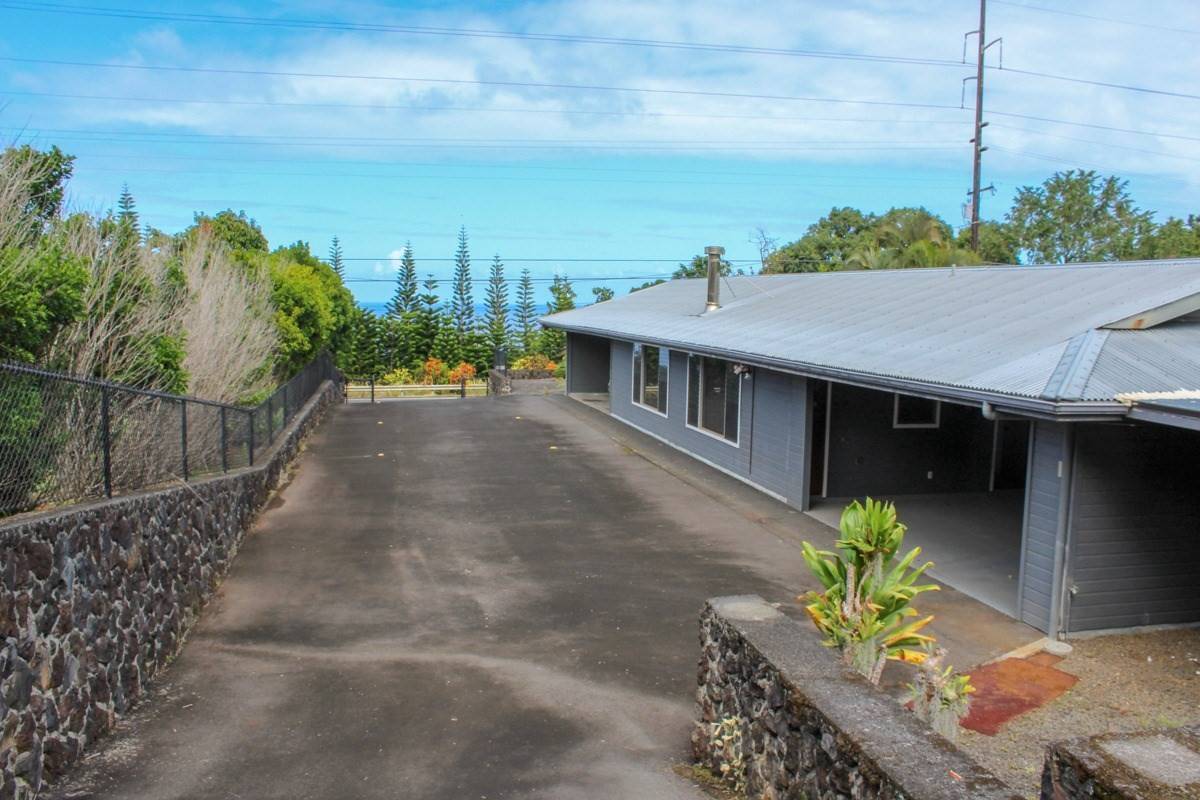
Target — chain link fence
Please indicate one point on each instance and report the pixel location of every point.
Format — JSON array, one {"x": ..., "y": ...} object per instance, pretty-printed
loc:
[{"x": 65, "y": 439}]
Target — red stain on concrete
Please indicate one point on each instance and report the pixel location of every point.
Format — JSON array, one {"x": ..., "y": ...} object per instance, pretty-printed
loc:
[{"x": 1006, "y": 689}]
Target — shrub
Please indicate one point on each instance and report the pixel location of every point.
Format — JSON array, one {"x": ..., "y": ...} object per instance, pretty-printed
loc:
[
  {"x": 398, "y": 376},
  {"x": 463, "y": 372},
  {"x": 941, "y": 696},
  {"x": 434, "y": 371},
  {"x": 533, "y": 361},
  {"x": 865, "y": 609}
]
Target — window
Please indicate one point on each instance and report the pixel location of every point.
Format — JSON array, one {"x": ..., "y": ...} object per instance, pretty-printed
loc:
[
  {"x": 714, "y": 392},
  {"x": 916, "y": 412},
  {"x": 650, "y": 368}
]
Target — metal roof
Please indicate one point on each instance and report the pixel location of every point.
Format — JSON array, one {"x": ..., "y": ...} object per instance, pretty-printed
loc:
[{"x": 1021, "y": 331}]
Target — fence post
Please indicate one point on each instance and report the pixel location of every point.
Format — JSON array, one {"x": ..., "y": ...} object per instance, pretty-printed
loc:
[
  {"x": 106, "y": 440},
  {"x": 372, "y": 382},
  {"x": 224, "y": 443},
  {"x": 250, "y": 438},
  {"x": 183, "y": 435},
  {"x": 462, "y": 386}
]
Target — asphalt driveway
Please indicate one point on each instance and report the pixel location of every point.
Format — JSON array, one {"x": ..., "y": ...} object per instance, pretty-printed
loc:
[{"x": 481, "y": 598}]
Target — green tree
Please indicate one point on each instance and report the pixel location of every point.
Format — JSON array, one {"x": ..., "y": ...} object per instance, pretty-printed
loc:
[
  {"x": 404, "y": 297},
  {"x": 1079, "y": 216},
  {"x": 1175, "y": 238},
  {"x": 127, "y": 208},
  {"x": 997, "y": 242},
  {"x": 336, "y": 259},
  {"x": 40, "y": 293},
  {"x": 427, "y": 320},
  {"x": 46, "y": 173},
  {"x": 601, "y": 294},
  {"x": 698, "y": 268},
  {"x": 553, "y": 342},
  {"x": 462, "y": 298},
  {"x": 447, "y": 341},
  {"x": 827, "y": 243},
  {"x": 238, "y": 231},
  {"x": 496, "y": 304},
  {"x": 526, "y": 313}
]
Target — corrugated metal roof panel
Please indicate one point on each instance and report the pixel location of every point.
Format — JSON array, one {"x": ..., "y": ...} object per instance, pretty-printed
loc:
[{"x": 997, "y": 329}]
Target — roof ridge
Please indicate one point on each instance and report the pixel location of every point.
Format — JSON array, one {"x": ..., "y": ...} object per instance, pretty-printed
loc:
[{"x": 1070, "y": 376}]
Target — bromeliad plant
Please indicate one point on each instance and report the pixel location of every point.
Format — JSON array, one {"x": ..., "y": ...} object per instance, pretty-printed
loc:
[
  {"x": 941, "y": 696},
  {"x": 865, "y": 610}
]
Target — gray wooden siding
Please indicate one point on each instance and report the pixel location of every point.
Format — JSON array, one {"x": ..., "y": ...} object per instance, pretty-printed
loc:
[
  {"x": 587, "y": 363},
  {"x": 673, "y": 428},
  {"x": 867, "y": 456},
  {"x": 778, "y": 460},
  {"x": 1134, "y": 526},
  {"x": 775, "y": 420},
  {"x": 1045, "y": 497}
]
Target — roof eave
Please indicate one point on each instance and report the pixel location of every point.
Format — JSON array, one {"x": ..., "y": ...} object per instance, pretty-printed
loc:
[{"x": 1021, "y": 405}]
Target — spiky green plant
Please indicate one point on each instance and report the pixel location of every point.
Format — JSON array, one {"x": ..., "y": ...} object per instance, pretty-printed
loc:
[
  {"x": 941, "y": 695},
  {"x": 865, "y": 610}
]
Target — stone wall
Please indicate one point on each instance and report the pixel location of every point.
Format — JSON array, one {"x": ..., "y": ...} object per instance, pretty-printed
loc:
[
  {"x": 96, "y": 599},
  {"x": 810, "y": 728},
  {"x": 1147, "y": 765}
]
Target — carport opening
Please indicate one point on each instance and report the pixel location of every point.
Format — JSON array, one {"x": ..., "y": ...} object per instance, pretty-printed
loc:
[
  {"x": 588, "y": 366},
  {"x": 958, "y": 480}
]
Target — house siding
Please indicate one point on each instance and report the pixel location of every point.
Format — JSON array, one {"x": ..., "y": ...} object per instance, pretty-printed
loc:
[
  {"x": 778, "y": 460},
  {"x": 1045, "y": 498},
  {"x": 1134, "y": 524},
  {"x": 771, "y": 429},
  {"x": 869, "y": 456}
]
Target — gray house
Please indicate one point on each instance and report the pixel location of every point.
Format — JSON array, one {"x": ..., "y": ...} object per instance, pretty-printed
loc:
[{"x": 1038, "y": 427}]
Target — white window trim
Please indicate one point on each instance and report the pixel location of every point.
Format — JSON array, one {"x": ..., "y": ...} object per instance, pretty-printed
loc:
[
  {"x": 700, "y": 410},
  {"x": 633, "y": 384},
  {"x": 896, "y": 423}
]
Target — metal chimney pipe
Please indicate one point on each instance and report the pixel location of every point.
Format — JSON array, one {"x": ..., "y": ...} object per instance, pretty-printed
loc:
[{"x": 714, "y": 253}]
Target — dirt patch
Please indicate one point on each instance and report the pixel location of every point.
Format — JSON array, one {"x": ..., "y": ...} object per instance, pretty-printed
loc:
[{"x": 1126, "y": 682}]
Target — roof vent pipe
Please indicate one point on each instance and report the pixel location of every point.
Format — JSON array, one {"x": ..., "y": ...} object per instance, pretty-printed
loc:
[{"x": 714, "y": 253}]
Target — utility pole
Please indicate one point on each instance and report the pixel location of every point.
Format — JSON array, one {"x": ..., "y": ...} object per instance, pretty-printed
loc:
[{"x": 977, "y": 173}]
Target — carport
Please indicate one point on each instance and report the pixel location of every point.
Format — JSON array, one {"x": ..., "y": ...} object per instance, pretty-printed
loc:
[{"x": 957, "y": 478}]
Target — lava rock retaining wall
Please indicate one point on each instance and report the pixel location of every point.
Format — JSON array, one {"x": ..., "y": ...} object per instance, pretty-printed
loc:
[
  {"x": 96, "y": 599},
  {"x": 810, "y": 728},
  {"x": 1146, "y": 765}
]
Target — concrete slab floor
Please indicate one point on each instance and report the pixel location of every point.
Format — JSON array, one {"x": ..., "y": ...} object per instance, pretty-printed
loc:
[
  {"x": 973, "y": 538},
  {"x": 483, "y": 598}
]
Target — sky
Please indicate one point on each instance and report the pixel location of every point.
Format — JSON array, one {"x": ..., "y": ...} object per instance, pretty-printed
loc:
[{"x": 601, "y": 139}]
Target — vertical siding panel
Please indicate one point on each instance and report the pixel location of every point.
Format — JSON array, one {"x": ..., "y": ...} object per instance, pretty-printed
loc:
[
  {"x": 1135, "y": 522},
  {"x": 1044, "y": 499}
]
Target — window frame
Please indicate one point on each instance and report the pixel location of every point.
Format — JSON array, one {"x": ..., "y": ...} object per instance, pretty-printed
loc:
[
  {"x": 898, "y": 425},
  {"x": 737, "y": 441},
  {"x": 638, "y": 378}
]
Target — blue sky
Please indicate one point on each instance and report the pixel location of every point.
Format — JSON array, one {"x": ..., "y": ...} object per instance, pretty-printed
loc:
[{"x": 538, "y": 172}]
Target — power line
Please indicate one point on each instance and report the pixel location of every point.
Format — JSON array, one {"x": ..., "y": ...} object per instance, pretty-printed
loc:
[
  {"x": 501, "y": 178},
  {"x": 220, "y": 19},
  {"x": 1091, "y": 82},
  {"x": 1097, "y": 126},
  {"x": 594, "y": 112},
  {"x": 470, "y": 82},
  {"x": 1093, "y": 141},
  {"x": 560, "y": 38},
  {"x": 486, "y": 109},
  {"x": 524, "y": 167},
  {"x": 1096, "y": 17},
  {"x": 173, "y": 138}
]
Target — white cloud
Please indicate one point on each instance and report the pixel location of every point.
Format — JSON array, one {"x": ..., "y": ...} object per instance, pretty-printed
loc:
[{"x": 871, "y": 135}]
